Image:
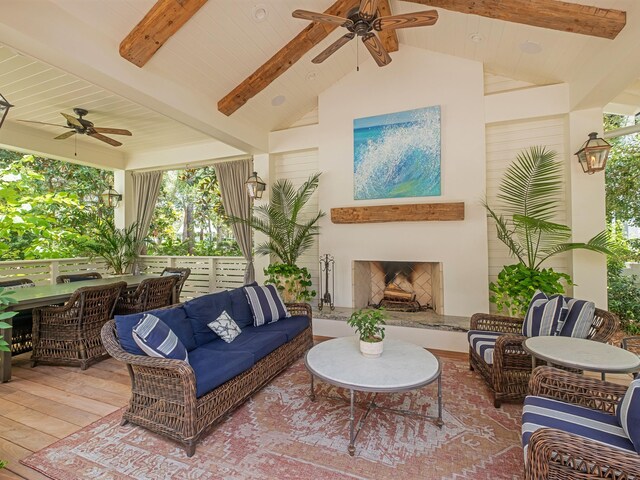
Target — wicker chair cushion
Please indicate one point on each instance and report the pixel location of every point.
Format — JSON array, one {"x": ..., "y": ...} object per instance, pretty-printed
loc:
[
  {"x": 266, "y": 304},
  {"x": 539, "y": 412},
  {"x": 156, "y": 339},
  {"x": 202, "y": 310},
  {"x": 225, "y": 327},
  {"x": 212, "y": 368},
  {"x": 628, "y": 413},
  {"x": 175, "y": 318},
  {"x": 544, "y": 315},
  {"x": 291, "y": 326},
  {"x": 579, "y": 318},
  {"x": 21, "y": 285},
  {"x": 483, "y": 343},
  {"x": 259, "y": 345},
  {"x": 240, "y": 309}
]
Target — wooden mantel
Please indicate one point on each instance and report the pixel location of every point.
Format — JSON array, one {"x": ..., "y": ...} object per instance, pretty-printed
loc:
[{"x": 411, "y": 212}]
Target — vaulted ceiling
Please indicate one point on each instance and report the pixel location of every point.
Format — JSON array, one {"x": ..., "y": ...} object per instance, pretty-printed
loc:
[{"x": 225, "y": 41}]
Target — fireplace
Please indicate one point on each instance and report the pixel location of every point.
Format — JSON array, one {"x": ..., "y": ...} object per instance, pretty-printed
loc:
[{"x": 402, "y": 286}]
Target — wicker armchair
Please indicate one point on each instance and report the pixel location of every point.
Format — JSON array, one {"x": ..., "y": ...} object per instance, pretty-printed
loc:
[
  {"x": 556, "y": 454},
  {"x": 182, "y": 274},
  {"x": 22, "y": 322},
  {"x": 78, "y": 277},
  {"x": 70, "y": 334},
  {"x": 163, "y": 391},
  {"x": 633, "y": 345},
  {"x": 152, "y": 293},
  {"x": 508, "y": 376}
]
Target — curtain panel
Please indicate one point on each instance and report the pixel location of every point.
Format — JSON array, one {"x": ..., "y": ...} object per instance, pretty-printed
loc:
[{"x": 146, "y": 189}]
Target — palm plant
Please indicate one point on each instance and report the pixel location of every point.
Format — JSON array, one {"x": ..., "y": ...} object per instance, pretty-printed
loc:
[
  {"x": 118, "y": 247},
  {"x": 529, "y": 196},
  {"x": 288, "y": 233}
]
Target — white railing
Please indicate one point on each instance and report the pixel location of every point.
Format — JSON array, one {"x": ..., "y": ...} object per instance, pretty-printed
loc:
[{"x": 208, "y": 274}]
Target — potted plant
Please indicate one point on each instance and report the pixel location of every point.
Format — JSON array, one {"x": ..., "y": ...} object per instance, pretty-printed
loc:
[
  {"x": 5, "y": 299},
  {"x": 529, "y": 196},
  {"x": 118, "y": 247},
  {"x": 369, "y": 325},
  {"x": 289, "y": 236}
]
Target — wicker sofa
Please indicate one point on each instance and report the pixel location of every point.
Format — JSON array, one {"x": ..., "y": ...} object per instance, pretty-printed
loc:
[{"x": 182, "y": 400}]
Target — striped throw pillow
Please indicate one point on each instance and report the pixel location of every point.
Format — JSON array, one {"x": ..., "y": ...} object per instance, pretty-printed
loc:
[
  {"x": 156, "y": 339},
  {"x": 628, "y": 413},
  {"x": 544, "y": 315},
  {"x": 266, "y": 304},
  {"x": 579, "y": 318}
]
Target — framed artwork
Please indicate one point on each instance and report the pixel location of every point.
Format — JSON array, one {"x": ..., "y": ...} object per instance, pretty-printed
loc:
[{"x": 397, "y": 154}]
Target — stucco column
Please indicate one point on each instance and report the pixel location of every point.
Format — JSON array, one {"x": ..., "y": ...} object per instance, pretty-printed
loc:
[
  {"x": 587, "y": 211},
  {"x": 262, "y": 165},
  {"x": 124, "y": 214}
]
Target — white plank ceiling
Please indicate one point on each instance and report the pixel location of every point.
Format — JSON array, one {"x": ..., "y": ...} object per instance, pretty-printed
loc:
[{"x": 223, "y": 44}]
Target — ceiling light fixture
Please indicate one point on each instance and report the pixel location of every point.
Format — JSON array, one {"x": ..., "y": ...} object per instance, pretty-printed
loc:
[
  {"x": 259, "y": 12},
  {"x": 311, "y": 76},
  {"x": 278, "y": 100},
  {"x": 476, "y": 37},
  {"x": 530, "y": 47}
]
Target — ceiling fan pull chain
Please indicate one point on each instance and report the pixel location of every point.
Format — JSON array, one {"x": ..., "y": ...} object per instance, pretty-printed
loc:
[{"x": 357, "y": 56}]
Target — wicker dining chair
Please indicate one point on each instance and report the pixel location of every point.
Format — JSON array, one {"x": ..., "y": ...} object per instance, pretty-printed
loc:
[
  {"x": 182, "y": 274},
  {"x": 22, "y": 323},
  {"x": 508, "y": 375},
  {"x": 152, "y": 293},
  {"x": 633, "y": 345},
  {"x": 556, "y": 454},
  {"x": 70, "y": 334},
  {"x": 78, "y": 277}
]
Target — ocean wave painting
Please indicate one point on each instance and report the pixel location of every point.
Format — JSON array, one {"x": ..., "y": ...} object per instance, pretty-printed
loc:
[{"x": 397, "y": 154}]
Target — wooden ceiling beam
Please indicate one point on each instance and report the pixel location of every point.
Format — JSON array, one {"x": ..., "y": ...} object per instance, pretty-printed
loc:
[
  {"x": 551, "y": 14},
  {"x": 164, "y": 19},
  {"x": 389, "y": 38},
  {"x": 283, "y": 59}
]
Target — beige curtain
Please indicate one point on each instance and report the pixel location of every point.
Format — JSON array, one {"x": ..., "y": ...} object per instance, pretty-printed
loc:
[
  {"x": 146, "y": 188},
  {"x": 236, "y": 201}
]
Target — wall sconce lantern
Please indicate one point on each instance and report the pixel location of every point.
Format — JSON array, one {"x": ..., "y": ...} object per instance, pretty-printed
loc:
[
  {"x": 593, "y": 154},
  {"x": 255, "y": 186},
  {"x": 111, "y": 198},
  {"x": 4, "y": 109}
]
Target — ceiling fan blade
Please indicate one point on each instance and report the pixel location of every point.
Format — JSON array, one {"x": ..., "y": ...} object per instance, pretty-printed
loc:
[
  {"x": 112, "y": 131},
  {"x": 72, "y": 120},
  {"x": 415, "y": 19},
  {"x": 376, "y": 49},
  {"x": 333, "y": 48},
  {"x": 368, "y": 9},
  {"x": 321, "y": 17},
  {"x": 102, "y": 138},
  {"x": 44, "y": 123},
  {"x": 65, "y": 135}
]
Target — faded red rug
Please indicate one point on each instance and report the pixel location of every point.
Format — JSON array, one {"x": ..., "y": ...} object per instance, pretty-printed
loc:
[{"x": 281, "y": 434}]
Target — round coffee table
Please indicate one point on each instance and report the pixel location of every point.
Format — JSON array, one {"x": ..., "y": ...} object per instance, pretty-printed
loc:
[
  {"x": 581, "y": 354},
  {"x": 402, "y": 366}
]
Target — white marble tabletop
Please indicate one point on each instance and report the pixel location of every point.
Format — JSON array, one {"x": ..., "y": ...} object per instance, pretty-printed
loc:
[
  {"x": 402, "y": 365},
  {"x": 582, "y": 354}
]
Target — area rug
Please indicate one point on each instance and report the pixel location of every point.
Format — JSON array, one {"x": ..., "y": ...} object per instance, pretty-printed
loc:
[{"x": 281, "y": 434}]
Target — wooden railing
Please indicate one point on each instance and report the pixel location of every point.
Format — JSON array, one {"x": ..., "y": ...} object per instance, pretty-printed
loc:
[{"x": 208, "y": 274}]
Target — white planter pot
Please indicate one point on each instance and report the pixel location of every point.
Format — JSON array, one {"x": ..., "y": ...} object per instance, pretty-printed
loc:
[{"x": 371, "y": 349}]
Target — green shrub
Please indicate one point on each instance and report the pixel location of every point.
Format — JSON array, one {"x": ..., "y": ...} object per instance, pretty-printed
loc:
[{"x": 624, "y": 300}]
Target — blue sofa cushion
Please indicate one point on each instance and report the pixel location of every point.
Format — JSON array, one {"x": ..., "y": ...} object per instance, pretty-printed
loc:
[
  {"x": 212, "y": 368},
  {"x": 544, "y": 315},
  {"x": 175, "y": 318},
  {"x": 628, "y": 413},
  {"x": 539, "y": 412},
  {"x": 579, "y": 318},
  {"x": 291, "y": 326},
  {"x": 483, "y": 343},
  {"x": 240, "y": 309},
  {"x": 156, "y": 339},
  {"x": 202, "y": 311},
  {"x": 266, "y": 304},
  {"x": 259, "y": 345},
  {"x": 225, "y": 327}
]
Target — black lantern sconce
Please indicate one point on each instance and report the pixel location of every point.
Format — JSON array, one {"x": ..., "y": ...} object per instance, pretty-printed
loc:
[
  {"x": 255, "y": 186},
  {"x": 593, "y": 154},
  {"x": 111, "y": 198}
]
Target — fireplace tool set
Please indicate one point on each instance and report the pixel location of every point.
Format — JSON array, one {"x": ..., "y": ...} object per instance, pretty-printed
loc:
[{"x": 327, "y": 265}]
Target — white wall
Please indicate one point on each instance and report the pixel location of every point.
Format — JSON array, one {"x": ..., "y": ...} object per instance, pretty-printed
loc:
[{"x": 417, "y": 79}]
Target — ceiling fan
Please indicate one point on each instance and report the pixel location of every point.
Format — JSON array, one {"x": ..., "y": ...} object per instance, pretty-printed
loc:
[
  {"x": 363, "y": 21},
  {"x": 84, "y": 127}
]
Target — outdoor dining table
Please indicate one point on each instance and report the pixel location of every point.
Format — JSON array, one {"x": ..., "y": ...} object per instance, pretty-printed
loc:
[{"x": 43, "y": 295}]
